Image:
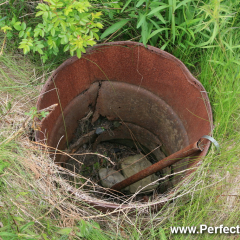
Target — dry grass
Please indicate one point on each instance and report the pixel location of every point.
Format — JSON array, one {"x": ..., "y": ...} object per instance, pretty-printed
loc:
[{"x": 36, "y": 189}]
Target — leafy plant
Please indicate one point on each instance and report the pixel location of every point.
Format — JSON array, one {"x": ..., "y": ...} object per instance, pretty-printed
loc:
[
  {"x": 187, "y": 23},
  {"x": 164, "y": 21},
  {"x": 89, "y": 230},
  {"x": 216, "y": 19},
  {"x": 3, "y": 165},
  {"x": 66, "y": 26},
  {"x": 22, "y": 230},
  {"x": 35, "y": 113}
]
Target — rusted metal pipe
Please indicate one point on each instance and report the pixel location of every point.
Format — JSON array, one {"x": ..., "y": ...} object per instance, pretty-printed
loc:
[{"x": 166, "y": 162}]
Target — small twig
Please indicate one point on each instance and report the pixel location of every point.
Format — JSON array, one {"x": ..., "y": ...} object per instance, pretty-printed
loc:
[
  {"x": 26, "y": 15},
  {"x": 50, "y": 108},
  {"x": 4, "y": 3},
  {"x": 111, "y": 35},
  {"x": 87, "y": 117},
  {"x": 133, "y": 38},
  {"x": 4, "y": 41},
  {"x": 82, "y": 140}
]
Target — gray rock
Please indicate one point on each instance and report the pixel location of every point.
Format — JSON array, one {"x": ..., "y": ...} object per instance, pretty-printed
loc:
[
  {"x": 134, "y": 164},
  {"x": 110, "y": 177}
]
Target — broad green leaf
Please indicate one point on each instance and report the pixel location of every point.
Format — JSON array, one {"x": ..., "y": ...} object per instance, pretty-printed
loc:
[{"x": 114, "y": 28}]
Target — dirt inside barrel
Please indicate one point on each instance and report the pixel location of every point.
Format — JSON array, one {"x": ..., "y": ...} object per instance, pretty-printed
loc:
[{"x": 118, "y": 123}]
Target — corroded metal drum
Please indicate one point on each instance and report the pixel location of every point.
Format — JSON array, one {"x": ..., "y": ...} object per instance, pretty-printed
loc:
[{"x": 148, "y": 89}]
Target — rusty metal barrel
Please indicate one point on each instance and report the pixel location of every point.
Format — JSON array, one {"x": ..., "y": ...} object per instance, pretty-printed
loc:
[{"x": 147, "y": 88}]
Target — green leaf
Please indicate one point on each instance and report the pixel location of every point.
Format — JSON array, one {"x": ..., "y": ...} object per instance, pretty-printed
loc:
[
  {"x": 26, "y": 226},
  {"x": 162, "y": 234},
  {"x": 142, "y": 18},
  {"x": 40, "y": 51},
  {"x": 96, "y": 35},
  {"x": 63, "y": 24},
  {"x": 140, "y": 2},
  {"x": 64, "y": 40},
  {"x": 158, "y": 9},
  {"x": 114, "y": 28},
  {"x": 66, "y": 48},
  {"x": 7, "y": 234},
  {"x": 160, "y": 17},
  {"x": 126, "y": 4},
  {"x": 3, "y": 165},
  {"x": 53, "y": 31},
  {"x": 36, "y": 32},
  {"x": 156, "y": 32},
  {"x": 144, "y": 33},
  {"x": 39, "y": 13},
  {"x": 79, "y": 53},
  {"x": 182, "y": 3},
  {"x": 17, "y": 26},
  {"x": 23, "y": 25},
  {"x": 65, "y": 231},
  {"x": 3, "y": 19},
  {"x": 173, "y": 28},
  {"x": 45, "y": 15},
  {"x": 19, "y": 219}
]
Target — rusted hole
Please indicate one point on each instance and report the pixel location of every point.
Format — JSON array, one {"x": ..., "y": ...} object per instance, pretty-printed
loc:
[{"x": 162, "y": 101}]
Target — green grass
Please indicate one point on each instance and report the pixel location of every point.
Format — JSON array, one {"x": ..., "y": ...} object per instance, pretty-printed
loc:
[{"x": 34, "y": 206}]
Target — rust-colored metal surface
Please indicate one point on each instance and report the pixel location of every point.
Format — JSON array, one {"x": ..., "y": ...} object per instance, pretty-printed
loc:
[
  {"x": 146, "y": 87},
  {"x": 166, "y": 162}
]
